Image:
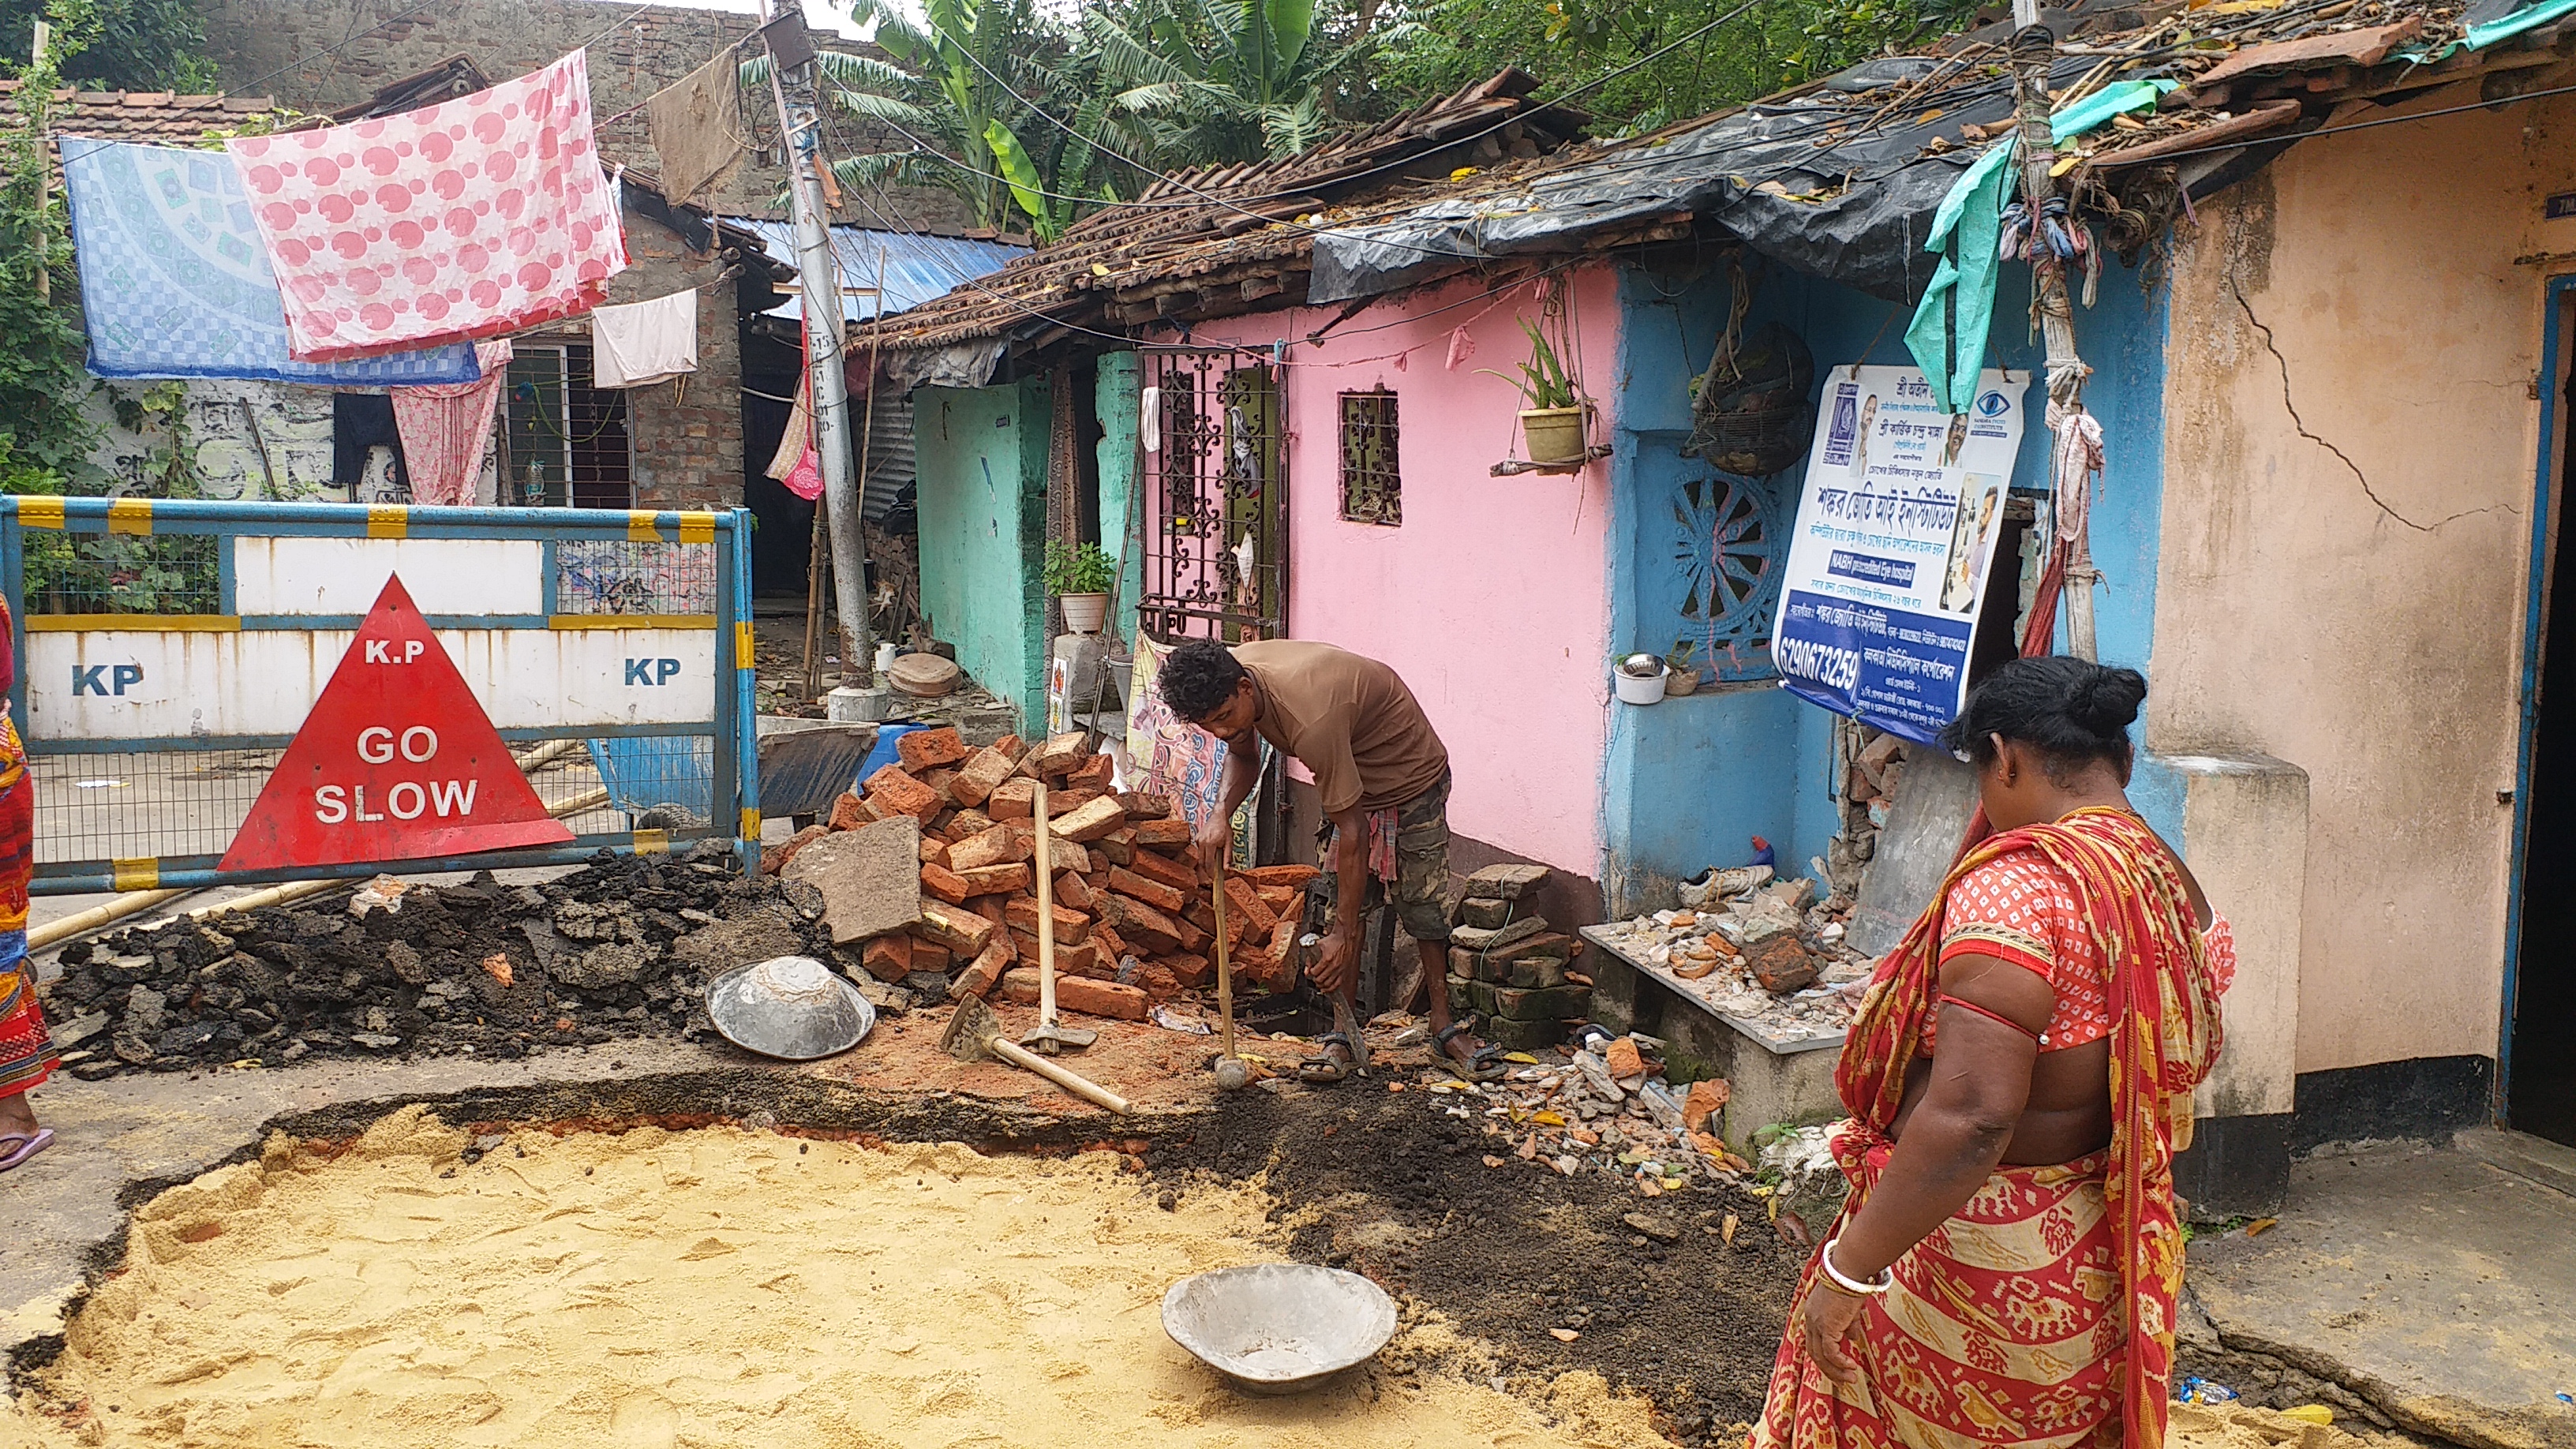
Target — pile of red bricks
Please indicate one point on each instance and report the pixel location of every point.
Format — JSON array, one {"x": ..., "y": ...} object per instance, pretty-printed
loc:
[{"x": 1134, "y": 921}]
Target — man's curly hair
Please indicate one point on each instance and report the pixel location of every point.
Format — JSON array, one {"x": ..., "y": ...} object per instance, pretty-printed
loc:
[{"x": 1197, "y": 677}]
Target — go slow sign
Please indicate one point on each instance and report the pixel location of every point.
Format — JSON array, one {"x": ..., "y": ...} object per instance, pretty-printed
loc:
[{"x": 397, "y": 761}]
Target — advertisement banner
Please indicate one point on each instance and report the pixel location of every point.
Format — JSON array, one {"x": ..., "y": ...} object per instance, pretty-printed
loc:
[{"x": 1896, "y": 531}]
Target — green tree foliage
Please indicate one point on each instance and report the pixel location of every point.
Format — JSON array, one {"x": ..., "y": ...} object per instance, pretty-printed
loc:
[
  {"x": 1433, "y": 47},
  {"x": 116, "y": 45},
  {"x": 44, "y": 439},
  {"x": 1232, "y": 80}
]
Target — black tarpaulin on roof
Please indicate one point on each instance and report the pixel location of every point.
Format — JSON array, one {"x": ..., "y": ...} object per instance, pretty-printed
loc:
[{"x": 1832, "y": 189}]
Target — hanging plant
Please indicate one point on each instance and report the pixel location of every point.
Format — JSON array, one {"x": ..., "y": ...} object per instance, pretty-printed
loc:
[{"x": 1553, "y": 406}]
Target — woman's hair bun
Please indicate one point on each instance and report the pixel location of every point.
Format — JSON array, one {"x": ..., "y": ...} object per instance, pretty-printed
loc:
[{"x": 2107, "y": 704}]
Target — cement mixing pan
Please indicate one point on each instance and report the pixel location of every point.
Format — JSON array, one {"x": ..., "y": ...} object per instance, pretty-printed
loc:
[{"x": 1279, "y": 1328}]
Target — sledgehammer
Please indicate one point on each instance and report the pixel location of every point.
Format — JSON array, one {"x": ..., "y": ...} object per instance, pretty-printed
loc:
[
  {"x": 1231, "y": 1073},
  {"x": 974, "y": 1034}
]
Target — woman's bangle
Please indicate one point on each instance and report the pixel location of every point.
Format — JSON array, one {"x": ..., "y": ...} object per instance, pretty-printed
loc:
[{"x": 1886, "y": 1276}]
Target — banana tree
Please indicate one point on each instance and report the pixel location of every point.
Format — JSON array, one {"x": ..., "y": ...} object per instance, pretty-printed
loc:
[{"x": 1225, "y": 79}]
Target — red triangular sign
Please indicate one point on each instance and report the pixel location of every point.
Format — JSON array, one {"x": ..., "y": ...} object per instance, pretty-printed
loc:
[{"x": 397, "y": 761}]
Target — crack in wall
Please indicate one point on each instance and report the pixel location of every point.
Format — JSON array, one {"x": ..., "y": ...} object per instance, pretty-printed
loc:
[{"x": 2292, "y": 408}]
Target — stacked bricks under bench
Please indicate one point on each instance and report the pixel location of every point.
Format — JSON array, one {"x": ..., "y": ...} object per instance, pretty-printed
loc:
[{"x": 1507, "y": 966}]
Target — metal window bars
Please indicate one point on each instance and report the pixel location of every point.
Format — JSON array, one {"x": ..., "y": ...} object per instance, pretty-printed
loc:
[
  {"x": 1216, "y": 540},
  {"x": 1372, "y": 489}
]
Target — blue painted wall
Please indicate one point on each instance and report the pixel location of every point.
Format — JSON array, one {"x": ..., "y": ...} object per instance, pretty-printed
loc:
[{"x": 1686, "y": 782}]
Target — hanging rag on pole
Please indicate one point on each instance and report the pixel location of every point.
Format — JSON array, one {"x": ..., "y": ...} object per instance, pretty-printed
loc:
[{"x": 2052, "y": 240}]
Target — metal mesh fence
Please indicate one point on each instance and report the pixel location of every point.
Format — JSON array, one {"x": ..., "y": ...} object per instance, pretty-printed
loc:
[
  {"x": 134, "y": 806},
  {"x": 91, "y": 573},
  {"x": 616, "y": 576}
]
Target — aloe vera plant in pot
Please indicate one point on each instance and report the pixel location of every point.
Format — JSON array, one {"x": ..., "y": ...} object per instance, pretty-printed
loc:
[
  {"x": 1079, "y": 577},
  {"x": 1552, "y": 416}
]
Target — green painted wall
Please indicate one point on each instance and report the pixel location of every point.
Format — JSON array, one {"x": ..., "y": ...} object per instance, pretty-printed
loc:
[
  {"x": 1122, "y": 515},
  {"x": 980, "y": 455}
]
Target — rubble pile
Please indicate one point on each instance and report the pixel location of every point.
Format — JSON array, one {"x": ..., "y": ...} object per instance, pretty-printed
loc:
[
  {"x": 1605, "y": 1108},
  {"x": 1757, "y": 949},
  {"x": 930, "y": 893},
  {"x": 1508, "y": 967},
  {"x": 620, "y": 948}
]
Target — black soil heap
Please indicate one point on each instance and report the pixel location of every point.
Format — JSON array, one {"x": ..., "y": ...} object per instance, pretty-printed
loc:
[{"x": 620, "y": 948}]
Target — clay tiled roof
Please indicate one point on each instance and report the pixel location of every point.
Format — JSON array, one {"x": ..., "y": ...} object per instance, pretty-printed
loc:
[
  {"x": 156, "y": 116},
  {"x": 1223, "y": 239}
]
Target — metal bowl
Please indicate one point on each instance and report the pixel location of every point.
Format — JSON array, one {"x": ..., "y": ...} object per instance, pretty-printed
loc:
[
  {"x": 791, "y": 1007},
  {"x": 1279, "y": 1328}
]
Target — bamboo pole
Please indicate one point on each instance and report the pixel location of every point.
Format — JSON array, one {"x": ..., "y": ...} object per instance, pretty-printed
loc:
[
  {"x": 2034, "y": 47},
  {"x": 131, "y": 903}
]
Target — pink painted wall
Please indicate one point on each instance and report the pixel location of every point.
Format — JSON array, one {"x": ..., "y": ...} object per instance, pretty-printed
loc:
[{"x": 1491, "y": 597}]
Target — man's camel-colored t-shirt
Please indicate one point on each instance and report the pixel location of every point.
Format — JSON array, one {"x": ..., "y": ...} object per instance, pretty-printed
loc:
[{"x": 1348, "y": 719}]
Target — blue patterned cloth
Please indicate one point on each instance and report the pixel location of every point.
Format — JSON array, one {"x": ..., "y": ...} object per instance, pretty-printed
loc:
[{"x": 175, "y": 281}]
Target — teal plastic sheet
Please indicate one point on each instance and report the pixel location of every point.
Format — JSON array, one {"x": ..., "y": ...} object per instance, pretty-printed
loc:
[
  {"x": 2096, "y": 110},
  {"x": 1948, "y": 334}
]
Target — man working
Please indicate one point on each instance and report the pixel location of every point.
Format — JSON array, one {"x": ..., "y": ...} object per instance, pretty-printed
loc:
[{"x": 1384, "y": 778}]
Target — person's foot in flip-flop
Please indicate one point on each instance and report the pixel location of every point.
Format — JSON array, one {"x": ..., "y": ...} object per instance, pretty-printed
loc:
[
  {"x": 1336, "y": 1060},
  {"x": 20, "y": 1137},
  {"x": 1474, "y": 1060}
]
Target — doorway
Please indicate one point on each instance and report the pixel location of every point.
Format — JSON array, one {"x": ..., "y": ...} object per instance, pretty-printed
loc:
[{"x": 2537, "y": 1060}]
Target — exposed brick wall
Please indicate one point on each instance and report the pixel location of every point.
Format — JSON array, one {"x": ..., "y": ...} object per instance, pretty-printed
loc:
[{"x": 250, "y": 39}]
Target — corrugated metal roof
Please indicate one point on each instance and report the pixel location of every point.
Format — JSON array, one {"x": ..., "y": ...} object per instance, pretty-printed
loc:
[
  {"x": 917, "y": 268},
  {"x": 889, "y": 449}
]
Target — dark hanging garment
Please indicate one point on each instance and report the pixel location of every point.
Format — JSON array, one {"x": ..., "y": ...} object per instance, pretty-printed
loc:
[{"x": 360, "y": 421}]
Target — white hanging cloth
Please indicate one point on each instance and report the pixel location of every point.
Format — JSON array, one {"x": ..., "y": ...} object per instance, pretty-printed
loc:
[{"x": 644, "y": 342}]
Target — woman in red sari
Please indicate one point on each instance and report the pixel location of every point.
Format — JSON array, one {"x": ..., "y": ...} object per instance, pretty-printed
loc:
[
  {"x": 2004, "y": 1272},
  {"x": 26, "y": 1049}
]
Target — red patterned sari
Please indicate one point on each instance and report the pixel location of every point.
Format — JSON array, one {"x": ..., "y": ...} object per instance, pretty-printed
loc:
[
  {"x": 26, "y": 1049},
  {"x": 2040, "y": 1315}
]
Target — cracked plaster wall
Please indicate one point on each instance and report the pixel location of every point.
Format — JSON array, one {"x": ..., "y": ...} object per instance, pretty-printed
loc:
[{"x": 2350, "y": 433}]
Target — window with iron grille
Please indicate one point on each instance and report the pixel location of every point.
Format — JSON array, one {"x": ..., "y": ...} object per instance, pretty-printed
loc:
[
  {"x": 1372, "y": 492},
  {"x": 568, "y": 439}
]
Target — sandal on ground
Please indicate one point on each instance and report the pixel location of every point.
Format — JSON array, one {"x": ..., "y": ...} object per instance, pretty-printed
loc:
[
  {"x": 1322, "y": 1070},
  {"x": 1484, "y": 1064},
  {"x": 17, "y": 1147}
]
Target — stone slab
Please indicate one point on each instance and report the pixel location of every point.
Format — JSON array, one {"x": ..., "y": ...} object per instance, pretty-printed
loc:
[{"x": 870, "y": 878}]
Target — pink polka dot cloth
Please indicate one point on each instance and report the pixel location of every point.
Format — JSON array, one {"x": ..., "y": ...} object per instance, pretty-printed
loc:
[{"x": 467, "y": 219}]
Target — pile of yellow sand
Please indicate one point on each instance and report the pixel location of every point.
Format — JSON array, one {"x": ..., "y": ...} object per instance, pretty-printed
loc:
[{"x": 715, "y": 1288}]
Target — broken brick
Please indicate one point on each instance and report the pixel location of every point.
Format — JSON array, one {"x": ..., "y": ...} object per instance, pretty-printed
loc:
[
  {"x": 1061, "y": 753},
  {"x": 1152, "y": 892},
  {"x": 1013, "y": 746},
  {"x": 1190, "y": 971},
  {"x": 1780, "y": 965},
  {"x": 927, "y": 957},
  {"x": 1244, "y": 897},
  {"x": 970, "y": 822},
  {"x": 921, "y": 750},
  {"x": 1141, "y": 806},
  {"x": 1079, "y": 993},
  {"x": 1093, "y": 821},
  {"x": 1094, "y": 773},
  {"x": 1507, "y": 882},
  {"x": 1180, "y": 875},
  {"x": 1194, "y": 938},
  {"x": 1012, "y": 800},
  {"x": 1161, "y": 834},
  {"x": 1065, "y": 856},
  {"x": 1142, "y": 924},
  {"x": 983, "y": 771},
  {"x": 1291, "y": 876},
  {"x": 888, "y": 958},
  {"x": 1280, "y": 899},
  {"x": 774, "y": 859},
  {"x": 944, "y": 883},
  {"x": 1158, "y": 981},
  {"x": 992, "y": 908},
  {"x": 849, "y": 812},
  {"x": 941, "y": 781},
  {"x": 934, "y": 852},
  {"x": 1001, "y": 845},
  {"x": 1113, "y": 947},
  {"x": 987, "y": 968},
  {"x": 1078, "y": 959},
  {"x": 894, "y": 791},
  {"x": 1071, "y": 890},
  {"x": 996, "y": 880},
  {"x": 962, "y": 931},
  {"x": 1070, "y": 926}
]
